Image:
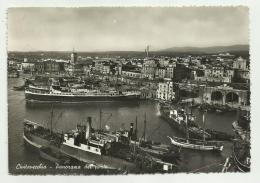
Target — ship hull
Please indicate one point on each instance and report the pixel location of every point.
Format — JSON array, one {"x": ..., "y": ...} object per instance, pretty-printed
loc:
[
  {"x": 195, "y": 146},
  {"x": 77, "y": 98},
  {"x": 83, "y": 156},
  {"x": 182, "y": 128},
  {"x": 210, "y": 134}
]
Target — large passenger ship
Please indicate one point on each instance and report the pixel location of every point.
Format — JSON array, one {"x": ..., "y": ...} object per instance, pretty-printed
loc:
[{"x": 54, "y": 93}]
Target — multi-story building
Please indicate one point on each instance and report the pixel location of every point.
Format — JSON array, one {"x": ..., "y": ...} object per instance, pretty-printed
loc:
[
  {"x": 181, "y": 71},
  {"x": 241, "y": 70},
  {"x": 169, "y": 71},
  {"x": 28, "y": 67},
  {"x": 132, "y": 74},
  {"x": 106, "y": 68},
  {"x": 240, "y": 63},
  {"x": 165, "y": 91},
  {"x": 229, "y": 73},
  {"x": 98, "y": 66},
  {"x": 149, "y": 68},
  {"x": 161, "y": 72},
  {"x": 214, "y": 72}
]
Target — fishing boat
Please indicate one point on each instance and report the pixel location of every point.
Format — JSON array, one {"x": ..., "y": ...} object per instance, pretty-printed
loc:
[{"x": 196, "y": 144}]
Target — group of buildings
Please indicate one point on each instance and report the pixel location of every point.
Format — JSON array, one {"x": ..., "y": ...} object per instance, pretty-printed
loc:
[{"x": 161, "y": 75}]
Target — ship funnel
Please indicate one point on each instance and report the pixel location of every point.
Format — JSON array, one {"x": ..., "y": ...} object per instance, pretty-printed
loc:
[{"x": 88, "y": 127}]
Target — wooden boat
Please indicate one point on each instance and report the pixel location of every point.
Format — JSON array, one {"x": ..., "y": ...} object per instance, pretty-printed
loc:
[{"x": 196, "y": 143}]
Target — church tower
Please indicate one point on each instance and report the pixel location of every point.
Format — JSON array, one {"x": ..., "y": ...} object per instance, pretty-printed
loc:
[{"x": 73, "y": 57}]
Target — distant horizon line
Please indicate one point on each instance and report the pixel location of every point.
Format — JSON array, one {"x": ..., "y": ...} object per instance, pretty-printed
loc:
[{"x": 127, "y": 50}]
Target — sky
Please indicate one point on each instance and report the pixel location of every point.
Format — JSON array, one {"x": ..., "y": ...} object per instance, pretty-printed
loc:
[{"x": 125, "y": 29}]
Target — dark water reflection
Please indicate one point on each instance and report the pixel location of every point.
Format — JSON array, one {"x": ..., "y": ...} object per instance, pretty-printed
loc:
[{"x": 66, "y": 116}]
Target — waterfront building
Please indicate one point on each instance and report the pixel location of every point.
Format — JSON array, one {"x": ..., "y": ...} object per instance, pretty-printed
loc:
[
  {"x": 149, "y": 93},
  {"x": 28, "y": 67},
  {"x": 49, "y": 66},
  {"x": 224, "y": 95},
  {"x": 39, "y": 67},
  {"x": 215, "y": 74},
  {"x": 165, "y": 91}
]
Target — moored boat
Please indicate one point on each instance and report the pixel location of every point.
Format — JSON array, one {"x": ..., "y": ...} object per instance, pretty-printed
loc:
[
  {"x": 196, "y": 144},
  {"x": 241, "y": 156},
  {"x": 241, "y": 145},
  {"x": 53, "y": 94},
  {"x": 175, "y": 119},
  {"x": 82, "y": 144}
]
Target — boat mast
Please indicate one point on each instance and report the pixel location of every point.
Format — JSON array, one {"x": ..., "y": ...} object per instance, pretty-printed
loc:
[
  {"x": 136, "y": 127},
  {"x": 144, "y": 127},
  {"x": 135, "y": 135},
  {"x": 187, "y": 129},
  {"x": 100, "y": 119},
  {"x": 51, "y": 117},
  {"x": 203, "y": 121}
]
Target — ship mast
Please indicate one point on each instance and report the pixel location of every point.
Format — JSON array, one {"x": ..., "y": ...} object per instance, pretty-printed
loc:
[
  {"x": 203, "y": 121},
  {"x": 100, "y": 119},
  {"x": 144, "y": 133},
  {"x": 136, "y": 127},
  {"x": 135, "y": 135},
  {"x": 187, "y": 129},
  {"x": 51, "y": 117}
]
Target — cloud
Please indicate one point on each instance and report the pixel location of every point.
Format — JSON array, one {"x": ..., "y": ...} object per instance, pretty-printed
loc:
[{"x": 130, "y": 28}]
